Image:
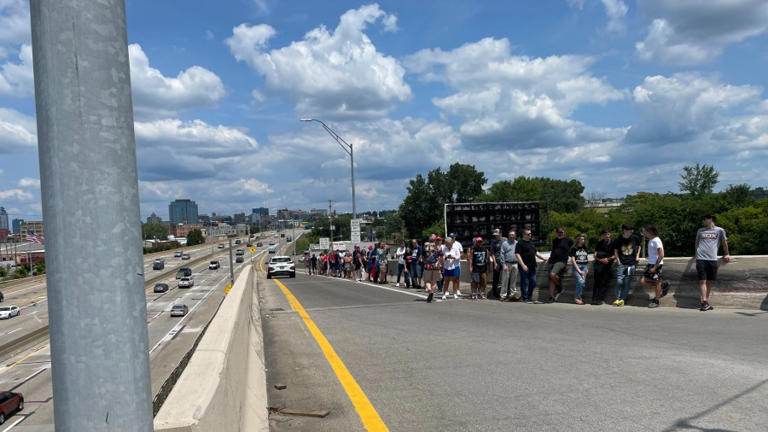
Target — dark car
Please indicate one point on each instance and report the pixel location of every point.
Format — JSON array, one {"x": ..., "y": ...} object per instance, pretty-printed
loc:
[
  {"x": 238, "y": 241},
  {"x": 259, "y": 244},
  {"x": 249, "y": 245},
  {"x": 184, "y": 272},
  {"x": 161, "y": 288},
  {"x": 239, "y": 259},
  {"x": 10, "y": 403},
  {"x": 158, "y": 264}
]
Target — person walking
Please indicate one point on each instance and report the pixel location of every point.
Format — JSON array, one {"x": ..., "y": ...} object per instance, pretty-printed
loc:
[
  {"x": 479, "y": 259},
  {"x": 558, "y": 262},
  {"x": 579, "y": 261},
  {"x": 603, "y": 267},
  {"x": 709, "y": 238},
  {"x": 433, "y": 267},
  {"x": 494, "y": 250},
  {"x": 652, "y": 275},
  {"x": 526, "y": 254},
  {"x": 416, "y": 263},
  {"x": 508, "y": 260},
  {"x": 451, "y": 265},
  {"x": 381, "y": 257},
  {"x": 626, "y": 250},
  {"x": 313, "y": 265},
  {"x": 401, "y": 268}
]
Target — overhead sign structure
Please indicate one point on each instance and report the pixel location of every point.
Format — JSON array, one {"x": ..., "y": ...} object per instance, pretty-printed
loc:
[{"x": 325, "y": 242}]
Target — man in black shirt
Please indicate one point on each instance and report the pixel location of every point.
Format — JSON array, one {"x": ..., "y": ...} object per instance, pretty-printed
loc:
[
  {"x": 603, "y": 267},
  {"x": 626, "y": 250},
  {"x": 526, "y": 260},
  {"x": 558, "y": 262},
  {"x": 495, "y": 248}
]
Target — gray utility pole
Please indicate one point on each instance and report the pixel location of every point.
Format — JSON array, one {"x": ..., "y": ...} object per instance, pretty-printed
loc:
[
  {"x": 96, "y": 300},
  {"x": 330, "y": 222},
  {"x": 349, "y": 149},
  {"x": 231, "y": 263}
]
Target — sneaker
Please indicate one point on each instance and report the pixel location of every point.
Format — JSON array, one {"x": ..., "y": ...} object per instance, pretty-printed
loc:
[
  {"x": 705, "y": 306},
  {"x": 578, "y": 301},
  {"x": 445, "y": 296},
  {"x": 429, "y": 297},
  {"x": 458, "y": 293},
  {"x": 620, "y": 303},
  {"x": 664, "y": 288},
  {"x": 551, "y": 300},
  {"x": 528, "y": 301},
  {"x": 616, "y": 302},
  {"x": 397, "y": 285},
  {"x": 653, "y": 304},
  {"x": 457, "y": 296},
  {"x": 473, "y": 296}
]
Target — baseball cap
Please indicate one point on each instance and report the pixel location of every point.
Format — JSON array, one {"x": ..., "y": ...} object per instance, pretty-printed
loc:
[
  {"x": 452, "y": 235},
  {"x": 496, "y": 231},
  {"x": 479, "y": 239},
  {"x": 357, "y": 246},
  {"x": 370, "y": 247},
  {"x": 438, "y": 238}
]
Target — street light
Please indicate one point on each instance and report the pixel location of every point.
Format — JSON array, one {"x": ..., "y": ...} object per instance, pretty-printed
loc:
[{"x": 349, "y": 150}]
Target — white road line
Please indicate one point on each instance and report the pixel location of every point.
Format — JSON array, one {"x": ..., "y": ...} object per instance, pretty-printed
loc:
[
  {"x": 13, "y": 331},
  {"x": 14, "y": 424},
  {"x": 377, "y": 286}
]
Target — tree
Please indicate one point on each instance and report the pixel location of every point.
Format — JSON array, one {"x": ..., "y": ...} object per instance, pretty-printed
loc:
[
  {"x": 559, "y": 195},
  {"x": 40, "y": 267},
  {"x": 739, "y": 195},
  {"x": 698, "y": 179},
  {"x": 195, "y": 237},
  {"x": 154, "y": 231}
]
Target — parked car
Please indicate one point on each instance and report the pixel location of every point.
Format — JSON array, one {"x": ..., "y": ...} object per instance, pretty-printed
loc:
[
  {"x": 214, "y": 265},
  {"x": 184, "y": 272},
  {"x": 185, "y": 256},
  {"x": 158, "y": 264},
  {"x": 240, "y": 252},
  {"x": 259, "y": 244},
  {"x": 221, "y": 246},
  {"x": 10, "y": 403},
  {"x": 7, "y": 312},
  {"x": 272, "y": 250},
  {"x": 179, "y": 309},
  {"x": 281, "y": 265},
  {"x": 161, "y": 288},
  {"x": 177, "y": 254},
  {"x": 186, "y": 282},
  {"x": 239, "y": 259}
]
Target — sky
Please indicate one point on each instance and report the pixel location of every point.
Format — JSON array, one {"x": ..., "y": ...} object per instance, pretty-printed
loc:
[{"x": 617, "y": 94}]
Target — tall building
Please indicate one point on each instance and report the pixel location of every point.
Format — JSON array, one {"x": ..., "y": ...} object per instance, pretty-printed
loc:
[
  {"x": 182, "y": 211},
  {"x": 261, "y": 211},
  {"x": 16, "y": 225},
  {"x": 154, "y": 219},
  {"x": 239, "y": 218},
  {"x": 3, "y": 218},
  {"x": 34, "y": 226}
]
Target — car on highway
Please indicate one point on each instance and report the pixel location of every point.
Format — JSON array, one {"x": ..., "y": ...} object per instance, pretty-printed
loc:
[
  {"x": 179, "y": 310},
  {"x": 259, "y": 244},
  {"x": 184, "y": 272},
  {"x": 161, "y": 288},
  {"x": 287, "y": 239},
  {"x": 249, "y": 244},
  {"x": 10, "y": 403},
  {"x": 214, "y": 265},
  {"x": 221, "y": 246},
  {"x": 281, "y": 265},
  {"x": 186, "y": 282},
  {"x": 240, "y": 252},
  {"x": 272, "y": 250},
  {"x": 238, "y": 241},
  {"x": 239, "y": 259},
  {"x": 7, "y": 312},
  {"x": 185, "y": 256},
  {"x": 272, "y": 243},
  {"x": 158, "y": 264},
  {"x": 177, "y": 254}
]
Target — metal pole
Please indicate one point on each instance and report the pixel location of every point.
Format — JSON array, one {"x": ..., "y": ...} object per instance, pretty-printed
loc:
[
  {"x": 352, "y": 163},
  {"x": 90, "y": 194},
  {"x": 231, "y": 266}
]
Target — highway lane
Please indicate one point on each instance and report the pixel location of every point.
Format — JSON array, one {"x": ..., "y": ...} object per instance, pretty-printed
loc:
[
  {"x": 463, "y": 365},
  {"x": 30, "y": 370}
]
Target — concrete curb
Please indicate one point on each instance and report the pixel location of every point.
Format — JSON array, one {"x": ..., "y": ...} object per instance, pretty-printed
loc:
[{"x": 23, "y": 341}]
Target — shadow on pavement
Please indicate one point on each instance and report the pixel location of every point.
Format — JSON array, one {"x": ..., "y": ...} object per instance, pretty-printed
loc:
[{"x": 686, "y": 423}]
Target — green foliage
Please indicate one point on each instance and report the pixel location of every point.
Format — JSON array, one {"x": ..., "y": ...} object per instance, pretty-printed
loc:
[
  {"x": 747, "y": 228},
  {"x": 437, "y": 228},
  {"x": 698, "y": 179},
  {"x": 195, "y": 237},
  {"x": 739, "y": 195},
  {"x": 20, "y": 272},
  {"x": 3, "y": 272},
  {"x": 425, "y": 198},
  {"x": 341, "y": 229},
  {"x": 161, "y": 247},
  {"x": 150, "y": 231},
  {"x": 557, "y": 195},
  {"x": 40, "y": 267}
]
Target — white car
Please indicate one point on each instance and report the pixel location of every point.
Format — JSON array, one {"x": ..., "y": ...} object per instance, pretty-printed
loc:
[
  {"x": 214, "y": 265},
  {"x": 221, "y": 246},
  {"x": 7, "y": 312},
  {"x": 186, "y": 282},
  {"x": 179, "y": 309},
  {"x": 281, "y": 265}
]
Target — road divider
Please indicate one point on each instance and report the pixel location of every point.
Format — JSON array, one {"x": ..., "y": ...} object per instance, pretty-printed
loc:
[{"x": 24, "y": 341}]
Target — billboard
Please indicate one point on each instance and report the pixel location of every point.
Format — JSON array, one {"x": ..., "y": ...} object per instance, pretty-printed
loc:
[{"x": 470, "y": 220}]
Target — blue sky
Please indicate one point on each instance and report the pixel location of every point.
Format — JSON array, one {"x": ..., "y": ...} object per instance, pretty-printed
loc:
[{"x": 619, "y": 94}]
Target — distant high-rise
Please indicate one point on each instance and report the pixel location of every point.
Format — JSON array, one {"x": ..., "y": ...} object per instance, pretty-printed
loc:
[
  {"x": 154, "y": 219},
  {"x": 182, "y": 211},
  {"x": 3, "y": 219},
  {"x": 16, "y": 225},
  {"x": 261, "y": 211},
  {"x": 239, "y": 218}
]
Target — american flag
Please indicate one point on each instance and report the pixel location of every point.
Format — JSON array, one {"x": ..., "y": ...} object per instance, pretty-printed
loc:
[{"x": 32, "y": 237}]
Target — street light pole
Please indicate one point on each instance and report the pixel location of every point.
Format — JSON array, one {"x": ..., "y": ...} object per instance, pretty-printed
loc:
[{"x": 349, "y": 149}]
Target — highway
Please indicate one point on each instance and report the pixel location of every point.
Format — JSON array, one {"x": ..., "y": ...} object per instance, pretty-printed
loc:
[
  {"x": 464, "y": 365},
  {"x": 169, "y": 337}
]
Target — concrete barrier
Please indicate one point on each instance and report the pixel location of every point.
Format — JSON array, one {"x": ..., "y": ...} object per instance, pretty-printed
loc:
[{"x": 223, "y": 387}]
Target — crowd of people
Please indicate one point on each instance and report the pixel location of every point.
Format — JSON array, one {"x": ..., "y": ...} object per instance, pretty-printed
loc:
[{"x": 512, "y": 264}]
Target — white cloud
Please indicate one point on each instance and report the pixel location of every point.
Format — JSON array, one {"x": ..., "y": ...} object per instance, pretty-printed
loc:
[
  {"x": 689, "y": 32},
  {"x": 18, "y": 132},
  {"x": 15, "y": 194},
  {"x": 515, "y": 101},
  {"x": 28, "y": 182},
  {"x": 16, "y": 78},
  {"x": 14, "y": 22},
  {"x": 337, "y": 74},
  {"x": 684, "y": 107},
  {"x": 616, "y": 11},
  {"x": 195, "y": 137},
  {"x": 195, "y": 86},
  {"x": 249, "y": 187}
]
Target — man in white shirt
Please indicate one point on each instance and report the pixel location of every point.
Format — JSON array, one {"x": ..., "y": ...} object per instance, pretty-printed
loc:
[
  {"x": 451, "y": 267},
  {"x": 652, "y": 275}
]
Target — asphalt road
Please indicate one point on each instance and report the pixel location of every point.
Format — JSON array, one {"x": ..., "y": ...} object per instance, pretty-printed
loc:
[
  {"x": 464, "y": 365},
  {"x": 169, "y": 339}
]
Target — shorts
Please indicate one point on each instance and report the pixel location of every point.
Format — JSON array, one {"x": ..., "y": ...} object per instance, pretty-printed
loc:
[
  {"x": 416, "y": 270},
  {"x": 557, "y": 268},
  {"x": 431, "y": 275},
  {"x": 652, "y": 276},
  {"x": 347, "y": 266},
  {"x": 707, "y": 270},
  {"x": 454, "y": 272},
  {"x": 479, "y": 281}
]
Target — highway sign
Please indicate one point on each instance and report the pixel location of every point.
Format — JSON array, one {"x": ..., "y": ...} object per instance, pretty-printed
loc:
[
  {"x": 355, "y": 225},
  {"x": 356, "y": 237},
  {"x": 253, "y": 250},
  {"x": 325, "y": 242}
]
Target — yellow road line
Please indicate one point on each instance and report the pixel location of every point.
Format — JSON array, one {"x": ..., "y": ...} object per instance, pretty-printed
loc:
[
  {"x": 366, "y": 411},
  {"x": 27, "y": 356}
]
